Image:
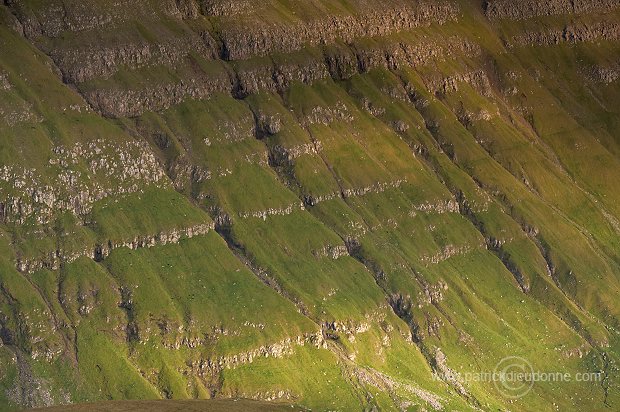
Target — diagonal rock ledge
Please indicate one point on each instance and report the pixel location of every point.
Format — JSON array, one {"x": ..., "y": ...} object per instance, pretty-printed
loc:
[{"x": 55, "y": 259}]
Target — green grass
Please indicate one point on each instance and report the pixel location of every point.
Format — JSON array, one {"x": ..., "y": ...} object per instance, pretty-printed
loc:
[
  {"x": 529, "y": 264},
  {"x": 166, "y": 406}
]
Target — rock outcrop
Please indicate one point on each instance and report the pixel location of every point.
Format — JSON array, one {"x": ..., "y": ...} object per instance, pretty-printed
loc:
[
  {"x": 53, "y": 260},
  {"x": 264, "y": 214},
  {"x": 54, "y": 17},
  {"x": 376, "y": 188},
  {"x": 246, "y": 46},
  {"x": 476, "y": 79},
  {"x": 244, "y": 42},
  {"x": 571, "y": 34},
  {"x": 116, "y": 102},
  {"x": 280, "y": 155},
  {"x": 93, "y": 60},
  {"x": 331, "y": 251},
  {"x": 111, "y": 169},
  {"x": 599, "y": 74},
  {"x": 525, "y": 9},
  {"x": 440, "y": 207}
]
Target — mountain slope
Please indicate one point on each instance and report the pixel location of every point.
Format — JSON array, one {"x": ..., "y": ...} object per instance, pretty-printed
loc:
[{"x": 336, "y": 204}]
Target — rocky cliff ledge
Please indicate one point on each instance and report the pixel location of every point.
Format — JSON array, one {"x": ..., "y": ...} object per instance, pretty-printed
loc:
[
  {"x": 214, "y": 34},
  {"x": 525, "y": 9}
]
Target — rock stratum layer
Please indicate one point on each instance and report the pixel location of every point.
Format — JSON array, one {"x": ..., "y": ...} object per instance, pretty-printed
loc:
[{"x": 342, "y": 205}]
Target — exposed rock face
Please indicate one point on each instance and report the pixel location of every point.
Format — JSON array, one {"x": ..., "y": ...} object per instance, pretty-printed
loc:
[
  {"x": 343, "y": 62},
  {"x": 4, "y": 81},
  {"x": 263, "y": 214},
  {"x": 569, "y": 34},
  {"x": 275, "y": 350},
  {"x": 525, "y": 9},
  {"x": 327, "y": 115},
  {"x": 313, "y": 200},
  {"x": 25, "y": 193},
  {"x": 90, "y": 61},
  {"x": 477, "y": 79},
  {"x": 333, "y": 252},
  {"x": 55, "y": 17},
  {"x": 132, "y": 103},
  {"x": 379, "y": 187},
  {"x": 54, "y": 259},
  {"x": 281, "y": 155},
  {"x": 184, "y": 173},
  {"x": 288, "y": 73},
  {"x": 500, "y": 9},
  {"x": 238, "y": 43},
  {"x": 97, "y": 61},
  {"x": 376, "y": 188},
  {"x": 446, "y": 253},
  {"x": 447, "y": 374},
  {"x": 209, "y": 368},
  {"x": 226, "y": 7},
  {"x": 373, "y": 145},
  {"x": 351, "y": 328},
  {"x": 432, "y": 293},
  {"x": 605, "y": 75},
  {"x": 385, "y": 382},
  {"x": 241, "y": 43},
  {"x": 440, "y": 207},
  {"x": 276, "y": 76},
  {"x": 405, "y": 54},
  {"x": 267, "y": 125}
]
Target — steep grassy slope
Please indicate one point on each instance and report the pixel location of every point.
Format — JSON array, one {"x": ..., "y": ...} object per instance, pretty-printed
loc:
[{"x": 340, "y": 205}]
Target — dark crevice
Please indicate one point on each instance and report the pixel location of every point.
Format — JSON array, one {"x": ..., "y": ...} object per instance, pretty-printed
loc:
[
  {"x": 236, "y": 91},
  {"x": 355, "y": 250},
  {"x": 569, "y": 319},
  {"x": 266, "y": 126},
  {"x": 347, "y": 368},
  {"x": 8, "y": 336},
  {"x": 69, "y": 346},
  {"x": 215, "y": 385},
  {"x": 448, "y": 149},
  {"x": 402, "y": 307},
  {"x": 494, "y": 245},
  {"x": 316, "y": 144},
  {"x": 224, "y": 229},
  {"x": 529, "y": 230},
  {"x": 62, "y": 76},
  {"x": 132, "y": 331},
  {"x": 545, "y": 250},
  {"x": 522, "y": 179},
  {"x": 69, "y": 340}
]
